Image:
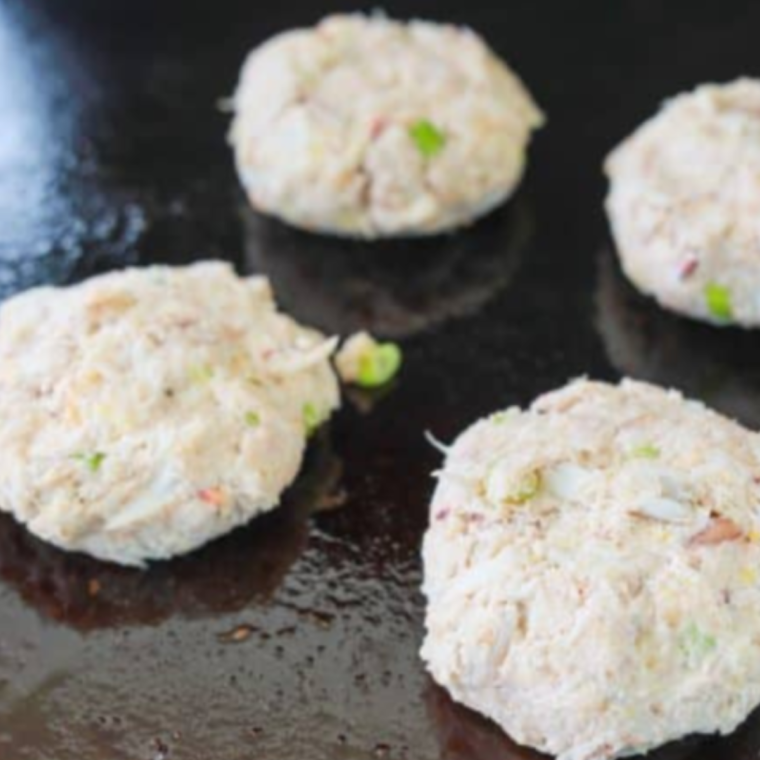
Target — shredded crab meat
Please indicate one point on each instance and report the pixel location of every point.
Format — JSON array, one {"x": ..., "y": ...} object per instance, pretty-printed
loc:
[
  {"x": 597, "y": 554},
  {"x": 718, "y": 531},
  {"x": 199, "y": 441},
  {"x": 567, "y": 480},
  {"x": 322, "y": 141},
  {"x": 684, "y": 201},
  {"x": 436, "y": 444},
  {"x": 666, "y": 510},
  {"x": 291, "y": 362}
]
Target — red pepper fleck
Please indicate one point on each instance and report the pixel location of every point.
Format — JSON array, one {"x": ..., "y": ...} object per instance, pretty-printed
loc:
[
  {"x": 718, "y": 531},
  {"x": 379, "y": 125},
  {"x": 214, "y": 496},
  {"x": 442, "y": 515},
  {"x": 688, "y": 267}
]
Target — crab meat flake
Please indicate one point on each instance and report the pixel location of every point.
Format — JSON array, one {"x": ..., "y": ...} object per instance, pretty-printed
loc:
[{"x": 666, "y": 510}]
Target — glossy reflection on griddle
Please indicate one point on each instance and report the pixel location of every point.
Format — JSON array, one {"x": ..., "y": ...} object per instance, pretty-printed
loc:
[
  {"x": 243, "y": 568},
  {"x": 718, "y": 366},
  {"x": 393, "y": 288}
]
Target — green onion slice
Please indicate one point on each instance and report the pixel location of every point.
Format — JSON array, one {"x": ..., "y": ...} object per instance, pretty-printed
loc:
[
  {"x": 718, "y": 298},
  {"x": 430, "y": 140},
  {"x": 379, "y": 365}
]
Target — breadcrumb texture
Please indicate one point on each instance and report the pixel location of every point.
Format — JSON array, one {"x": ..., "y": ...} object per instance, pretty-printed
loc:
[
  {"x": 148, "y": 411},
  {"x": 591, "y": 571},
  {"x": 348, "y": 360},
  {"x": 684, "y": 203},
  {"x": 324, "y": 118}
]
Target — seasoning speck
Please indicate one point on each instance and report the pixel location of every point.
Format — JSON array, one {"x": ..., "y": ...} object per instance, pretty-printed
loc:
[
  {"x": 213, "y": 496},
  {"x": 687, "y": 268},
  {"x": 237, "y": 635}
]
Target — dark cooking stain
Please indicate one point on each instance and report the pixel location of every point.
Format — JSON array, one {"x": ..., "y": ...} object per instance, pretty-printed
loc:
[
  {"x": 112, "y": 153},
  {"x": 161, "y": 749}
]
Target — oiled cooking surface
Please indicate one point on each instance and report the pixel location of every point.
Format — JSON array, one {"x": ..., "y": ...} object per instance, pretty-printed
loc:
[{"x": 297, "y": 639}]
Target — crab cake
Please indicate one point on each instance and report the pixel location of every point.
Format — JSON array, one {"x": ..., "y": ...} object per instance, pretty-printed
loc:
[
  {"x": 591, "y": 571},
  {"x": 368, "y": 127},
  {"x": 148, "y": 411},
  {"x": 684, "y": 204},
  {"x": 244, "y": 569}
]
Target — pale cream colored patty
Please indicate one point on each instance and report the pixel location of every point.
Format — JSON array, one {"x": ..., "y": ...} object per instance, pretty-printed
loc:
[
  {"x": 148, "y": 411},
  {"x": 592, "y": 571},
  {"x": 684, "y": 204},
  {"x": 363, "y": 126}
]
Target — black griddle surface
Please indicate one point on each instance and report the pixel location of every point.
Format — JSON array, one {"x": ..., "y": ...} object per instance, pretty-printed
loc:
[{"x": 297, "y": 638}]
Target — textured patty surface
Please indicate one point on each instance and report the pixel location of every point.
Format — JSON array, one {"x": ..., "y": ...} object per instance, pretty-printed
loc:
[
  {"x": 148, "y": 411},
  {"x": 684, "y": 204},
  {"x": 368, "y": 127},
  {"x": 591, "y": 570}
]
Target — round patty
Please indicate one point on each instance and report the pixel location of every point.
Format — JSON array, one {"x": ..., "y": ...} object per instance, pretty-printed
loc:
[
  {"x": 368, "y": 127},
  {"x": 684, "y": 204},
  {"x": 591, "y": 570},
  {"x": 148, "y": 411}
]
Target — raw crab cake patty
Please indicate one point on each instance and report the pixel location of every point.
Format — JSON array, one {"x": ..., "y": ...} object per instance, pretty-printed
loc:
[
  {"x": 363, "y": 126},
  {"x": 148, "y": 411},
  {"x": 684, "y": 204},
  {"x": 591, "y": 571}
]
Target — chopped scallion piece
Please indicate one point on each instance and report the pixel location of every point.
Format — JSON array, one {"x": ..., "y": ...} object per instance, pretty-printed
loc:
[
  {"x": 378, "y": 365},
  {"x": 201, "y": 373},
  {"x": 718, "y": 298},
  {"x": 696, "y": 644},
  {"x": 91, "y": 461},
  {"x": 645, "y": 451},
  {"x": 499, "y": 418},
  {"x": 528, "y": 488},
  {"x": 252, "y": 419},
  {"x": 311, "y": 419},
  {"x": 430, "y": 140}
]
